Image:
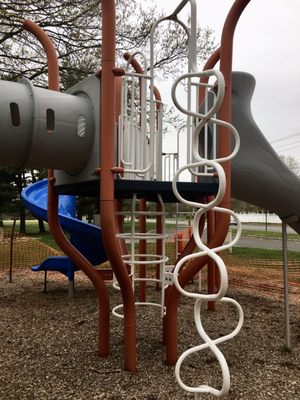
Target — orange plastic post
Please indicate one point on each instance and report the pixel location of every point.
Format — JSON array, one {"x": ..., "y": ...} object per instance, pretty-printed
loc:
[{"x": 179, "y": 242}]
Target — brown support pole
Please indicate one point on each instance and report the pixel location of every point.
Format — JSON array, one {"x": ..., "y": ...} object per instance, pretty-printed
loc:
[
  {"x": 211, "y": 220},
  {"x": 225, "y": 149},
  {"x": 43, "y": 38},
  {"x": 210, "y": 63},
  {"x": 120, "y": 226},
  {"x": 81, "y": 262},
  {"x": 107, "y": 171},
  {"x": 211, "y": 265},
  {"x": 188, "y": 249},
  {"x": 217, "y": 272},
  {"x": 77, "y": 258}
]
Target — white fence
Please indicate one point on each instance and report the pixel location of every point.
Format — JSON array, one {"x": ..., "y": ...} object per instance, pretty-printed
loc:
[{"x": 269, "y": 218}]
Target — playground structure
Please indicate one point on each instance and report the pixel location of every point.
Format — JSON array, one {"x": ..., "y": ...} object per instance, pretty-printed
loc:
[
  {"x": 85, "y": 237},
  {"x": 127, "y": 162}
]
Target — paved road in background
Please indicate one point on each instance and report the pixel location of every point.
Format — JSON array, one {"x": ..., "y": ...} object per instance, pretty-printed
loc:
[
  {"x": 262, "y": 227},
  {"x": 263, "y": 243},
  {"x": 267, "y": 243}
]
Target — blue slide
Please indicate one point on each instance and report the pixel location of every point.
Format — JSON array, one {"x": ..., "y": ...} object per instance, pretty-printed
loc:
[{"x": 85, "y": 237}]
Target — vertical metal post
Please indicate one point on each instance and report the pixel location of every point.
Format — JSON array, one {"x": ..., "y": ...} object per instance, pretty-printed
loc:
[
  {"x": 11, "y": 250},
  {"x": 45, "y": 281},
  {"x": 142, "y": 250},
  {"x": 286, "y": 287}
]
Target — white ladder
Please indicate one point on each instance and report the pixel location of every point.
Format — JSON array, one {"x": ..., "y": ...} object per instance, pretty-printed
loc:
[{"x": 134, "y": 259}]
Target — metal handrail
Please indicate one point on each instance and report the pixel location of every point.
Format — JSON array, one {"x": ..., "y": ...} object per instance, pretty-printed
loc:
[
  {"x": 172, "y": 17},
  {"x": 142, "y": 163},
  {"x": 193, "y": 32}
]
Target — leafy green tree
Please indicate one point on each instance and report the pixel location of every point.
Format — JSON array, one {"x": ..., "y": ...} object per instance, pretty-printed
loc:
[
  {"x": 8, "y": 193},
  {"x": 37, "y": 175},
  {"x": 87, "y": 206},
  {"x": 243, "y": 206},
  {"x": 20, "y": 182},
  {"x": 12, "y": 183}
]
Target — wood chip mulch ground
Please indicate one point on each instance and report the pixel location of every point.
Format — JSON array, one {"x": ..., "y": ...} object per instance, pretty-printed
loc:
[{"x": 48, "y": 347}]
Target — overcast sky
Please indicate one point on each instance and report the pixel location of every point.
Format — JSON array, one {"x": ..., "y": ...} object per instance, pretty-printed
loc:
[{"x": 267, "y": 44}]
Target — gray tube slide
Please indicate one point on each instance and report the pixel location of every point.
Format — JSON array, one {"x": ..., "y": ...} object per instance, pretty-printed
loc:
[{"x": 259, "y": 176}]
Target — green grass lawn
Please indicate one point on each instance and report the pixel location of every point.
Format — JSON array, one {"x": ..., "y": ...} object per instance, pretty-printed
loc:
[
  {"x": 245, "y": 256},
  {"x": 268, "y": 234},
  {"x": 33, "y": 231},
  {"x": 264, "y": 254},
  {"x": 151, "y": 226}
]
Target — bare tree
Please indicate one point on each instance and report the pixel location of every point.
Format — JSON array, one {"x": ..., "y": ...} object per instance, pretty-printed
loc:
[
  {"x": 75, "y": 28},
  {"x": 292, "y": 163}
]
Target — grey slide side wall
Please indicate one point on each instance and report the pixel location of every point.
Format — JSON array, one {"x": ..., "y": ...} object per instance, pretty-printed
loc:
[{"x": 259, "y": 176}]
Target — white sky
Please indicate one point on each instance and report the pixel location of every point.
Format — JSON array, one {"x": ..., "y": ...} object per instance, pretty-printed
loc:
[{"x": 267, "y": 45}]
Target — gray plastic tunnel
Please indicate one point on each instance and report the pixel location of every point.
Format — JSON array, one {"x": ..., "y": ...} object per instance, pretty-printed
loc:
[{"x": 41, "y": 128}]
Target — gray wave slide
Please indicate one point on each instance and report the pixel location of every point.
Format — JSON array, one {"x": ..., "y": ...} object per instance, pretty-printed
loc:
[{"x": 259, "y": 176}]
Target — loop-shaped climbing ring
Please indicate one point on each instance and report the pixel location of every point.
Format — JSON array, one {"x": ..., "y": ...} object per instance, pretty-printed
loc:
[
  {"x": 219, "y": 97},
  {"x": 212, "y": 344},
  {"x": 204, "y": 250},
  {"x": 221, "y": 189},
  {"x": 196, "y": 139}
]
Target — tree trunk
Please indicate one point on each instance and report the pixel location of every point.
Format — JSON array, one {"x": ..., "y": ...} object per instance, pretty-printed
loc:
[
  {"x": 41, "y": 226},
  {"x": 22, "y": 219}
]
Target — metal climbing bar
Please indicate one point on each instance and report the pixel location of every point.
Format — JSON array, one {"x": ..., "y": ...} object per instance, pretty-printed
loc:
[
  {"x": 133, "y": 259},
  {"x": 140, "y": 125},
  {"x": 200, "y": 166}
]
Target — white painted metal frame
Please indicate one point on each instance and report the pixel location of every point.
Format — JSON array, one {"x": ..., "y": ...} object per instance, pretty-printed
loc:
[
  {"x": 170, "y": 165},
  {"x": 216, "y": 169},
  {"x": 199, "y": 165},
  {"x": 134, "y": 259},
  {"x": 140, "y": 127},
  {"x": 286, "y": 286}
]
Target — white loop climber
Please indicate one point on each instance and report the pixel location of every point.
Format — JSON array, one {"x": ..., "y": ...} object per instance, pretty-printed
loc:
[
  {"x": 197, "y": 168},
  {"x": 212, "y": 344}
]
